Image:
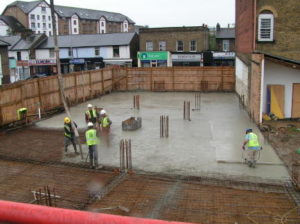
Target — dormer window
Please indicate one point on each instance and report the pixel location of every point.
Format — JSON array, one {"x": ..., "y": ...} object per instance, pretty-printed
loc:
[
  {"x": 43, "y": 9},
  {"x": 102, "y": 25},
  {"x": 125, "y": 26},
  {"x": 266, "y": 26}
]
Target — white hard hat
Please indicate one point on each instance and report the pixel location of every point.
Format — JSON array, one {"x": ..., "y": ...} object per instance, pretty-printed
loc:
[
  {"x": 89, "y": 105},
  {"x": 90, "y": 124},
  {"x": 102, "y": 112}
]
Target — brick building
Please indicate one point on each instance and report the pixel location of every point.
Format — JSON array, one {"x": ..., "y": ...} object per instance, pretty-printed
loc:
[
  {"x": 268, "y": 57},
  {"x": 36, "y": 15},
  {"x": 225, "y": 46},
  {"x": 184, "y": 43},
  {"x": 9, "y": 25}
]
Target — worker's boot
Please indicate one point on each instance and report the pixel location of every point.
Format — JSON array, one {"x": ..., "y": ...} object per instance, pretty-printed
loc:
[
  {"x": 249, "y": 163},
  {"x": 91, "y": 164}
]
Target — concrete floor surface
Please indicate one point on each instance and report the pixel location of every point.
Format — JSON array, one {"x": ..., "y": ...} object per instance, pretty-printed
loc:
[{"x": 209, "y": 144}]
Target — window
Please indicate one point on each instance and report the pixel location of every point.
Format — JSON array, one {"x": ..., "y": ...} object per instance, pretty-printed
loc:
[
  {"x": 33, "y": 25},
  {"x": 51, "y": 53},
  {"x": 44, "y": 18},
  {"x": 266, "y": 27},
  {"x": 49, "y": 18},
  {"x": 193, "y": 46},
  {"x": 38, "y": 25},
  {"x": 75, "y": 30},
  {"x": 102, "y": 23},
  {"x": 97, "y": 51},
  {"x": 32, "y": 17},
  {"x": 49, "y": 25},
  {"x": 70, "y": 53},
  {"x": 38, "y": 17},
  {"x": 179, "y": 45},
  {"x": 19, "y": 56},
  {"x": 149, "y": 46},
  {"x": 43, "y": 9},
  {"x": 225, "y": 45},
  {"x": 162, "y": 45},
  {"x": 44, "y": 25},
  {"x": 74, "y": 22},
  {"x": 50, "y": 33},
  {"x": 102, "y": 31},
  {"x": 116, "y": 51},
  {"x": 45, "y": 32}
]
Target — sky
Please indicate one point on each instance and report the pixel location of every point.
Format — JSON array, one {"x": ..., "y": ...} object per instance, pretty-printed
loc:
[{"x": 160, "y": 13}]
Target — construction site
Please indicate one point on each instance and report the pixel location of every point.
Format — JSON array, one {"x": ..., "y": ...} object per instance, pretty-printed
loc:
[{"x": 182, "y": 160}]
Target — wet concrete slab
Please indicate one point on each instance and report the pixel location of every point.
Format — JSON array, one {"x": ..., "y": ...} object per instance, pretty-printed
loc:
[{"x": 209, "y": 144}]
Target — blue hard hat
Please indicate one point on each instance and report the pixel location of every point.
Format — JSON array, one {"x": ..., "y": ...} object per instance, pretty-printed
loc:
[{"x": 248, "y": 130}]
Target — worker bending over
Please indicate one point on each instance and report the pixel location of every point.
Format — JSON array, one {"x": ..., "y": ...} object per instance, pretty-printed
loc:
[
  {"x": 105, "y": 123},
  {"x": 253, "y": 146},
  {"x": 91, "y": 114},
  {"x": 69, "y": 134},
  {"x": 92, "y": 142}
]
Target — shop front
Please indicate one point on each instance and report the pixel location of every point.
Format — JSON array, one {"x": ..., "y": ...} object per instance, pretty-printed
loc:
[
  {"x": 43, "y": 67},
  {"x": 224, "y": 58},
  {"x": 154, "y": 59},
  {"x": 187, "y": 60}
]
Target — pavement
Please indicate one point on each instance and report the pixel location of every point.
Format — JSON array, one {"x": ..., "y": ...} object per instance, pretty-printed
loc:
[{"x": 210, "y": 144}]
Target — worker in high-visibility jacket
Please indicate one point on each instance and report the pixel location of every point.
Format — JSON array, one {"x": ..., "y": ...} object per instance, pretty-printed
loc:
[
  {"x": 22, "y": 113},
  {"x": 69, "y": 134},
  {"x": 253, "y": 147},
  {"x": 91, "y": 114},
  {"x": 105, "y": 124},
  {"x": 92, "y": 141}
]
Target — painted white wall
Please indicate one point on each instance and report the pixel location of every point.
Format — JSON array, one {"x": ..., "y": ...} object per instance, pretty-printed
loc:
[
  {"x": 37, "y": 11},
  {"x": 3, "y": 28},
  {"x": 276, "y": 74},
  {"x": 86, "y": 52},
  {"x": 241, "y": 83},
  {"x": 43, "y": 54},
  {"x": 74, "y": 27},
  {"x": 24, "y": 55},
  {"x": 12, "y": 54},
  {"x": 124, "y": 52},
  {"x": 102, "y": 25}
]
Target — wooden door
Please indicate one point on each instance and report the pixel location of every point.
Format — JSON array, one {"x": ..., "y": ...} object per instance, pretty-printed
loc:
[
  {"x": 296, "y": 101},
  {"x": 277, "y": 100}
]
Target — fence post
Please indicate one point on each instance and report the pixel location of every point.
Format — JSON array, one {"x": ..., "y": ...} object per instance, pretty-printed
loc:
[
  {"x": 222, "y": 78},
  {"x": 90, "y": 85},
  {"x": 102, "y": 80},
  {"x": 151, "y": 80},
  {"x": 173, "y": 79},
  {"x": 75, "y": 83},
  {"x": 40, "y": 94},
  {"x": 126, "y": 79},
  {"x": 1, "y": 116},
  {"x": 112, "y": 78}
]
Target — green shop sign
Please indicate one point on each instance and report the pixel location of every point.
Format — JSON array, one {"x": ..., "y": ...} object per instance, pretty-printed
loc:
[{"x": 146, "y": 56}]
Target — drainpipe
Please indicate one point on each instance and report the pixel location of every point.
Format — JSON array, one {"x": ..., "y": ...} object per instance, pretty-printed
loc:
[
  {"x": 262, "y": 80},
  {"x": 28, "y": 213},
  {"x": 254, "y": 25}
]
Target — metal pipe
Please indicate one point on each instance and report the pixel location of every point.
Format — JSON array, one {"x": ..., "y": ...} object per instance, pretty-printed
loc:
[{"x": 15, "y": 212}]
